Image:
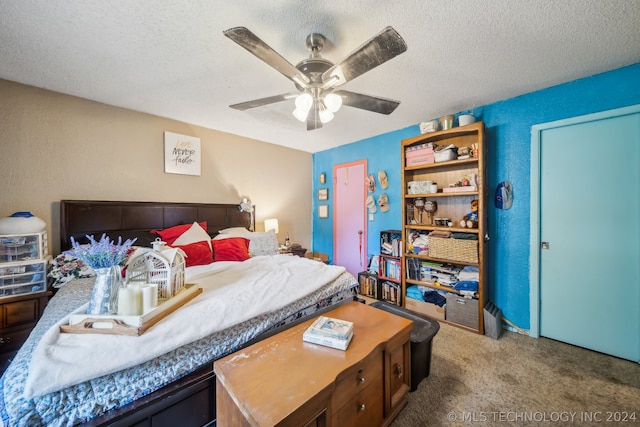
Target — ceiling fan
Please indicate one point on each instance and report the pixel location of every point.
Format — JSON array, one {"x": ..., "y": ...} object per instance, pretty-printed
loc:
[{"x": 317, "y": 79}]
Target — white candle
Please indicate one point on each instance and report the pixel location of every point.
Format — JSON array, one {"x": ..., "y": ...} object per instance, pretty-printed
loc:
[
  {"x": 154, "y": 294},
  {"x": 136, "y": 300},
  {"x": 124, "y": 301},
  {"x": 149, "y": 297}
]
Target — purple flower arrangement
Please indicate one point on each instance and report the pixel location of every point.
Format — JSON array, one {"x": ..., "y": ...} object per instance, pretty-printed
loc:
[{"x": 103, "y": 253}]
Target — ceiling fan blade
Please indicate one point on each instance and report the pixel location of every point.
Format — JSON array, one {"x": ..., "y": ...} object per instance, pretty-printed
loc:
[
  {"x": 382, "y": 47},
  {"x": 313, "y": 118},
  {"x": 263, "y": 101},
  {"x": 263, "y": 51},
  {"x": 367, "y": 102}
]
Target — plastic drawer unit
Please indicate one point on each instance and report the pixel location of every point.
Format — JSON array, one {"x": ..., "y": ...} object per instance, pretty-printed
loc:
[
  {"x": 422, "y": 334},
  {"x": 23, "y": 247},
  {"x": 23, "y": 277}
]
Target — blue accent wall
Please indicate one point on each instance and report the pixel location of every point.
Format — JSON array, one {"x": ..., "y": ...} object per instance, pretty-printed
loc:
[
  {"x": 382, "y": 152},
  {"x": 508, "y": 125}
]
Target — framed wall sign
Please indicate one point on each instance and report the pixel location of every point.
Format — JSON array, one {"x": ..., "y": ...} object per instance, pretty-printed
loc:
[
  {"x": 181, "y": 154},
  {"x": 323, "y": 178},
  {"x": 323, "y": 211},
  {"x": 323, "y": 194}
]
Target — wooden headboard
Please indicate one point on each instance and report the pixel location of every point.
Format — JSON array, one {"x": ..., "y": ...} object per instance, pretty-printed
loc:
[{"x": 79, "y": 218}]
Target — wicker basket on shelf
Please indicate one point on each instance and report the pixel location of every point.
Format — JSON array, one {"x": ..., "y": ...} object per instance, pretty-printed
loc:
[
  {"x": 454, "y": 249},
  {"x": 156, "y": 267}
]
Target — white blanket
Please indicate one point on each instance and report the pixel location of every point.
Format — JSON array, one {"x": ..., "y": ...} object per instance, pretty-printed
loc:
[{"x": 233, "y": 293}]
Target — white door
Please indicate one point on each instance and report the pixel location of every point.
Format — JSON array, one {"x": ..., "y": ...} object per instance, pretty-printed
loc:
[
  {"x": 590, "y": 234},
  {"x": 350, "y": 233}
]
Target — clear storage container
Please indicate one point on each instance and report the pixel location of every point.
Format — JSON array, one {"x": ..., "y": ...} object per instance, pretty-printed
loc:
[
  {"x": 24, "y": 277},
  {"x": 23, "y": 247}
]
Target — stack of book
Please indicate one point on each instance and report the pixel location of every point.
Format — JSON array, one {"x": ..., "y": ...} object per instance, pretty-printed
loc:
[{"x": 330, "y": 332}]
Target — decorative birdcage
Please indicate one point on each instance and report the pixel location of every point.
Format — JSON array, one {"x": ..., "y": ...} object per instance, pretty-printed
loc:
[{"x": 164, "y": 268}]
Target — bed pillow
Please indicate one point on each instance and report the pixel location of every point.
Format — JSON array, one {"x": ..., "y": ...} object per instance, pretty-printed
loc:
[
  {"x": 263, "y": 243},
  {"x": 260, "y": 243},
  {"x": 198, "y": 253},
  {"x": 235, "y": 231},
  {"x": 169, "y": 235},
  {"x": 66, "y": 267},
  {"x": 194, "y": 234},
  {"x": 231, "y": 249}
]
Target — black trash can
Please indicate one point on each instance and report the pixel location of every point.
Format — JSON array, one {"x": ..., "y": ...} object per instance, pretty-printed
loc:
[{"x": 424, "y": 329}]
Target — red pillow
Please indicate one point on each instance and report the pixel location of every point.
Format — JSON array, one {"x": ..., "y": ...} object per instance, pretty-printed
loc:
[
  {"x": 170, "y": 234},
  {"x": 198, "y": 253},
  {"x": 231, "y": 249}
]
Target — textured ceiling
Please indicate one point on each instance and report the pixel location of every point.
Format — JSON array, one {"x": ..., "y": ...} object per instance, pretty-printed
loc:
[{"x": 171, "y": 59}]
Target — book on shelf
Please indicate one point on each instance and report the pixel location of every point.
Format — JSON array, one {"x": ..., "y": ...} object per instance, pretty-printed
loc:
[
  {"x": 368, "y": 284},
  {"x": 391, "y": 242},
  {"x": 391, "y": 292},
  {"x": 391, "y": 268},
  {"x": 327, "y": 341}
]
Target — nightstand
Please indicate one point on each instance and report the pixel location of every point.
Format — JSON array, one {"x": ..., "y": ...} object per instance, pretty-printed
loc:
[
  {"x": 294, "y": 251},
  {"x": 18, "y": 316}
]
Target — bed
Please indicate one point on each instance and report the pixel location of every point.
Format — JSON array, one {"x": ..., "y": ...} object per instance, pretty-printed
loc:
[{"x": 176, "y": 387}]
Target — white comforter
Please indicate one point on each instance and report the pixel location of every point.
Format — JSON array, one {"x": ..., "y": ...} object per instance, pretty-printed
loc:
[{"x": 233, "y": 292}]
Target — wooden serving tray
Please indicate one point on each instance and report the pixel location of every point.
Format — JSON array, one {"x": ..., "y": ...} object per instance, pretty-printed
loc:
[{"x": 83, "y": 323}]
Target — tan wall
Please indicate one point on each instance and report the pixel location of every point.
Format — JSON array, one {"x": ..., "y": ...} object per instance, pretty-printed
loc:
[{"x": 58, "y": 147}]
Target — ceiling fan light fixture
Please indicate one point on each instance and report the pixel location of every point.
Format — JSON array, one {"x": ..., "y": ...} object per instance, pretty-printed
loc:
[
  {"x": 301, "y": 114},
  {"x": 304, "y": 101},
  {"x": 333, "y": 102},
  {"x": 325, "y": 114}
]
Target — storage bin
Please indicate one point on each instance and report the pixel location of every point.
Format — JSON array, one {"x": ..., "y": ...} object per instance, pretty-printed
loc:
[
  {"x": 462, "y": 310},
  {"x": 426, "y": 308},
  {"x": 317, "y": 256},
  {"x": 445, "y": 155},
  {"x": 454, "y": 249},
  {"x": 421, "y": 340},
  {"x": 419, "y": 187},
  {"x": 419, "y": 155},
  {"x": 23, "y": 277},
  {"x": 430, "y": 126},
  {"x": 23, "y": 247}
]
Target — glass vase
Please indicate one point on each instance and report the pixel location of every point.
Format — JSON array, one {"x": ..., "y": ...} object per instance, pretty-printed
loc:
[{"x": 104, "y": 297}]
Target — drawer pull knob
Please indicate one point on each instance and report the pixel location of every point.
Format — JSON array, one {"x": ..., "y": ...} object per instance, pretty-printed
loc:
[
  {"x": 361, "y": 407},
  {"x": 4, "y": 340},
  {"x": 398, "y": 370},
  {"x": 361, "y": 380}
]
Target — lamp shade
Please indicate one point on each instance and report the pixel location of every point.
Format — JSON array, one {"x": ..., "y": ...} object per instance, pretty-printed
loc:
[{"x": 271, "y": 224}]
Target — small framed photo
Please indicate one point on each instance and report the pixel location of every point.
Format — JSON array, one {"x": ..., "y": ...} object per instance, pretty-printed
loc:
[
  {"x": 323, "y": 194},
  {"x": 323, "y": 211},
  {"x": 323, "y": 178}
]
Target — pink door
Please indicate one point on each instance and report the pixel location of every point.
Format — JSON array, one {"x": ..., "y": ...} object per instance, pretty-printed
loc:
[{"x": 350, "y": 216}]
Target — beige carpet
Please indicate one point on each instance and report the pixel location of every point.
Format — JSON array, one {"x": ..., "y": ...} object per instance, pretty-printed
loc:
[{"x": 521, "y": 381}]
